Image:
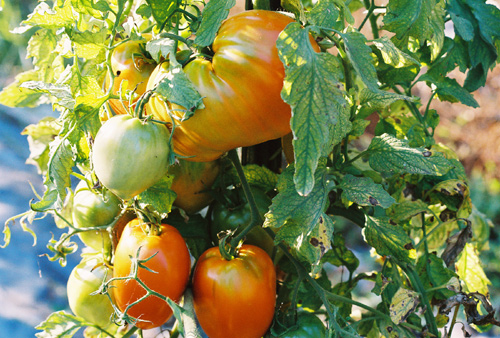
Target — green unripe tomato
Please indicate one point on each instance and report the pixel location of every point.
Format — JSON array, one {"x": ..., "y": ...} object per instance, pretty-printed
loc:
[
  {"x": 85, "y": 279},
  {"x": 130, "y": 155},
  {"x": 91, "y": 209},
  {"x": 225, "y": 217}
]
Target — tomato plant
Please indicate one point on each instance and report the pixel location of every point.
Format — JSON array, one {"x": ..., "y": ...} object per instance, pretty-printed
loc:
[
  {"x": 83, "y": 283},
  {"x": 225, "y": 290},
  {"x": 237, "y": 217},
  {"x": 131, "y": 66},
  {"x": 164, "y": 267},
  {"x": 192, "y": 183},
  {"x": 92, "y": 209},
  {"x": 241, "y": 93},
  {"x": 363, "y": 164},
  {"x": 130, "y": 155},
  {"x": 307, "y": 325}
]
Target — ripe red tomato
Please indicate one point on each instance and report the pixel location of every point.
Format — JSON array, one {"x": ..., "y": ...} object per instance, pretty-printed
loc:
[
  {"x": 91, "y": 209},
  {"x": 132, "y": 65},
  {"x": 241, "y": 87},
  {"x": 235, "y": 298},
  {"x": 130, "y": 155},
  {"x": 86, "y": 278},
  {"x": 191, "y": 183},
  {"x": 171, "y": 264}
]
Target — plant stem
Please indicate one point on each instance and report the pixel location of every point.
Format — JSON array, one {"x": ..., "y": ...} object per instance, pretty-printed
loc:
[
  {"x": 417, "y": 286},
  {"x": 373, "y": 19},
  {"x": 130, "y": 332},
  {"x": 256, "y": 218}
]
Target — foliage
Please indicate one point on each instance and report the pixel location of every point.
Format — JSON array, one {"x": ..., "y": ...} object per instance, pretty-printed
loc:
[{"x": 410, "y": 195}]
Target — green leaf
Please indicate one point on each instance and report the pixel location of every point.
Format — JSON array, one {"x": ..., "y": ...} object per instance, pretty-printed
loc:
[
  {"x": 406, "y": 209},
  {"x": 15, "y": 96},
  {"x": 420, "y": 19},
  {"x": 388, "y": 239},
  {"x": 175, "y": 87},
  {"x": 380, "y": 99},
  {"x": 311, "y": 88},
  {"x": 159, "y": 197},
  {"x": 60, "y": 325},
  {"x": 403, "y": 303},
  {"x": 161, "y": 9},
  {"x": 260, "y": 177},
  {"x": 59, "y": 169},
  {"x": 449, "y": 90},
  {"x": 340, "y": 255},
  {"x": 303, "y": 223},
  {"x": 294, "y": 6},
  {"x": 434, "y": 273},
  {"x": 41, "y": 47},
  {"x": 488, "y": 18},
  {"x": 90, "y": 8},
  {"x": 213, "y": 14},
  {"x": 389, "y": 154},
  {"x": 324, "y": 14},
  {"x": 360, "y": 56},
  {"x": 159, "y": 48},
  {"x": 39, "y": 137},
  {"x": 365, "y": 192},
  {"x": 89, "y": 44},
  {"x": 62, "y": 93},
  {"x": 310, "y": 244},
  {"x": 392, "y": 55},
  {"x": 470, "y": 270},
  {"x": 306, "y": 211},
  {"x": 58, "y": 17}
]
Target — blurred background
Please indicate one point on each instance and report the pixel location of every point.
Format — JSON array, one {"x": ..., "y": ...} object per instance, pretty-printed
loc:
[{"x": 32, "y": 287}]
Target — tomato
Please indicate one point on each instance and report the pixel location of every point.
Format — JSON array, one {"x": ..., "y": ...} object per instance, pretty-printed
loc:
[
  {"x": 241, "y": 87},
  {"x": 170, "y": 264},
  {"x": 308, "y": 325},
  {"x": 91, "y": 209},
  {"x": 86, "y": 278},
  {"x": 130, "y": 155},
  {"x": 227, "y": 217},
  {"x": 132, "y": 65},
  {"x": 234, "y": 298},
  {"x": 191, "y": 183}
]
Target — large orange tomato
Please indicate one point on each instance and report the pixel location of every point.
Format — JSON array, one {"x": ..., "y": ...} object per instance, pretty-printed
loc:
[
  {"x": 241, "y": 89},
  {"x": 169, "y": 263},
  {"x": 132, "y": 66},
  {"x": 235, "y": 298}
]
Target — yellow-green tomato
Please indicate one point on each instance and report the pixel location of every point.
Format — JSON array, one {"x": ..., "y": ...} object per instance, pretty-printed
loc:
[
  {"x": 92, "y": 209},
  {"x": 84, "y": 280},
  {"x": 130, "y": 154}
]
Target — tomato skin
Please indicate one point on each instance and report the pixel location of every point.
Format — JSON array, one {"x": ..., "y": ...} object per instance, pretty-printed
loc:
[
  {"x": 130, "y": 63},
  {"x": 308, "y": 325},
  {"x": 235, "y": 298},
  {"x": 86, "y": 278},
  {"x": 91, "y": 209},
  {"x": 191, "y": 182},
  {"x": 230, "y": 218},
  {"x": 130, "y": 155},
  {"x": 171, "y": 263},
  {"x": 241, "y": 88}
]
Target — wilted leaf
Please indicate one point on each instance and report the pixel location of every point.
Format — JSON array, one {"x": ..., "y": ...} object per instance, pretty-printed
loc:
[{"x": 403, "y": 303}]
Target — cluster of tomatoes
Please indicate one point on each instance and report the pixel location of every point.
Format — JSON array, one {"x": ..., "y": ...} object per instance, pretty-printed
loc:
[{"x": 150, "y": 263}]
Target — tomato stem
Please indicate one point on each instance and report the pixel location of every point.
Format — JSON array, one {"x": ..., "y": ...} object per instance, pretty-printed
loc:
[{"x": 256, "y": 218}]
